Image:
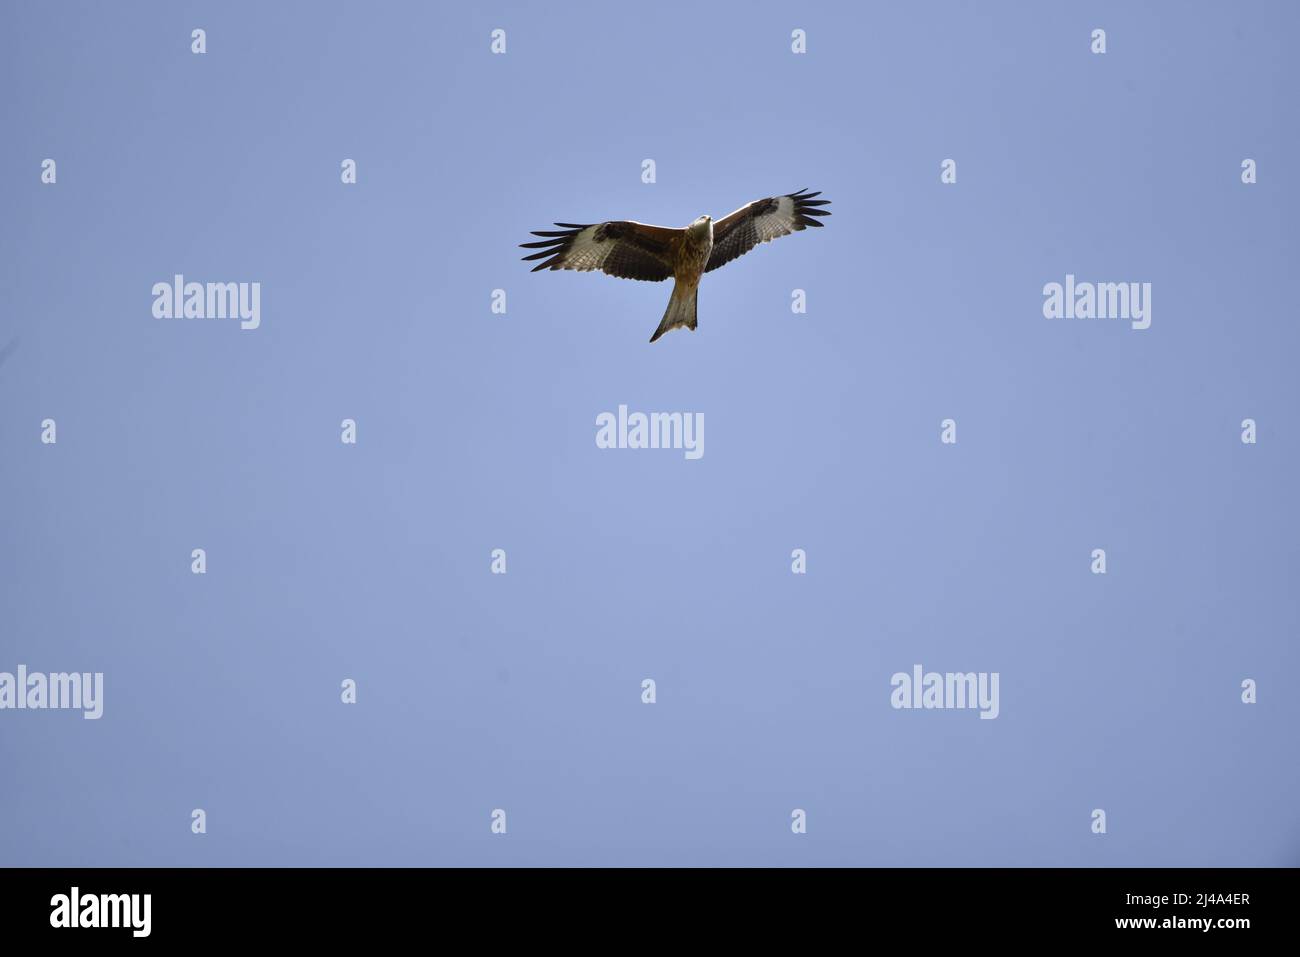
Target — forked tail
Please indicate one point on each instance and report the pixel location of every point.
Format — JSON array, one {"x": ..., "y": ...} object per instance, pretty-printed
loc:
[{"x": 680, "y": 311}]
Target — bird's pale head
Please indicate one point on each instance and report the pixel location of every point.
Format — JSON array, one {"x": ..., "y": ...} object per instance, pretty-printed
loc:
[{"x": 703, "y": 225}]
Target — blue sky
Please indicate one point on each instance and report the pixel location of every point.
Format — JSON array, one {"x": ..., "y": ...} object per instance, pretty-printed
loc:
[{"x": 476, "y": 431}]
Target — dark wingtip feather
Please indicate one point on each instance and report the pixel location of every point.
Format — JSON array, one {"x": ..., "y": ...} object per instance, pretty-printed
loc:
[
  {"x": 553, "y": 245},
  {"x": 808, "y": 210}
]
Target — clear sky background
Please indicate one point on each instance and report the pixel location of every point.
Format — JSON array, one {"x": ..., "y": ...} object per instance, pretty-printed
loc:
[{"x": 476, "y": 431}]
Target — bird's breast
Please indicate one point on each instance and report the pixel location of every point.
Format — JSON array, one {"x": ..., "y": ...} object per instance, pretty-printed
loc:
[{"x": 693, "y": 256}]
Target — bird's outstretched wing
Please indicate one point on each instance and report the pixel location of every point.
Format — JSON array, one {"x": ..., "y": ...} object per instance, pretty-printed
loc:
[
  {"x": 621, "y": 248},
  {"x": 762, "y": 221}
]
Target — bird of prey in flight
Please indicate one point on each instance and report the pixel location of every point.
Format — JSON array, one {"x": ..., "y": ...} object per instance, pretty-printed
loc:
[{"x": 631, "y": 250}]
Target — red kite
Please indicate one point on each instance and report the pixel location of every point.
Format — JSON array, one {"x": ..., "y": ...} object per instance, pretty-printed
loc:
[{"x": 631, "y": 250}]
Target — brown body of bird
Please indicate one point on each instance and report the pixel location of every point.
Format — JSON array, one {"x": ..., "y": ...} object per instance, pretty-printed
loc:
[{"x": 632, "y": 250}]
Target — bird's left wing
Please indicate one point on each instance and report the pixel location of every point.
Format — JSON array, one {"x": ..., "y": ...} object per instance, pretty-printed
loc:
[
  {"x": 621, "y": 248},
  {"x": 762, "y": 221}
]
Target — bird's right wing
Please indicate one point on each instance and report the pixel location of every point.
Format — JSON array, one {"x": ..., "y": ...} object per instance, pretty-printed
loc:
[
  {"x": 762, "y": 221},
  {"x": 621, "y": 248}
]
